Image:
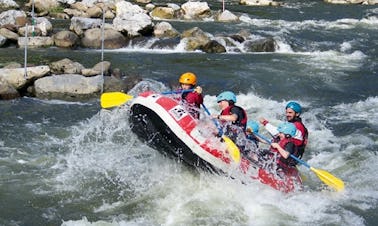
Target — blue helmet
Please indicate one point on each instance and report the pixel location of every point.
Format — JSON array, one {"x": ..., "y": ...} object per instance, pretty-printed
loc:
[
  {"x": 295, "y": 106},
  {"x": 227, "y": 95},
  {"x": 253, "y": 126},
  {"x": 287, "y": 128}
]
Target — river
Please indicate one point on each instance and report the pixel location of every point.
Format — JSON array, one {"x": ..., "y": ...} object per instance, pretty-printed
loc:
[{"x": 73, "y": 163}]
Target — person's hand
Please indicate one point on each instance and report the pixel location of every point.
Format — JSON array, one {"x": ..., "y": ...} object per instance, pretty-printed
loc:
[
  {"x": 275, "y": 145},
  {"x": 198, "y": 90},
  {"x": 263, "y": 121}
]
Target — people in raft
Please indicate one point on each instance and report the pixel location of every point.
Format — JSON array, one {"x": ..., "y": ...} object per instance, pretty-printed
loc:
[
  {"x": 193, "y": 99},
  {"x": 293, "y": 112},
  {"x": 233, "y": 118},
  {"x": 281, "y": 148},
  {"x": 252, "y": 128}
]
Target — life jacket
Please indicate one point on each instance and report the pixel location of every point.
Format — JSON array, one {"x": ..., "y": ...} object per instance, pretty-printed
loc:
[
  {"x": 194, "y": 100},
  {"x": 289, "y": 162},
  {"x": 301, "y": 144},
  {"x": 242, "y": 122}
]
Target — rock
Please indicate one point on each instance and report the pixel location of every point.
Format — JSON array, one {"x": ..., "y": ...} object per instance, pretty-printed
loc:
[
  {"x": 8, "y": 34},
  {"x": 66, "y": 66},
  {"x": 163, "y": 13},
  {"x": 112, "y": 39},
  {"x": 195, "y": 10},
  {"x": 3, "y": 40},
  {"x": 94, "y": 12},
  {"x": 227, "y": 16},
  {"x": 195, "y": 38},
  {"x": 96, "y": 70},
  {"x": 213, "y": 47},
  {"x": 112, "y": 84},
  {"x": 9, "y": 17},
  {"x": 80, "y": 24},
  {"x": 132, "y": 20},
  {"x": 261, "y": 45},
  {"x": 66, "y": 39},
  {"x": 165, "y": 30},
  {"x": 68, "y": 86},
  {"x": 8, "y": 4},
  {"x": 7, "y": 91},
  {"x": 17, "y": 78},
  {"x": 43, "y": 5},
  {"x": 35, "y": 42}
]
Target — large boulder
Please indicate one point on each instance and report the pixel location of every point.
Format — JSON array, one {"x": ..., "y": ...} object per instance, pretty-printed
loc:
[
  {"x": 163, "y": 13},
  {"x": 165, "y": 30},
  {"x": 17, "y": 78},
  {"x": 9, "y": 17},
  {"x": 66, "y": 39},
  {"x": 132, "y": 20},
  {"x": 8, "y": 4},
  {"x": 99, "y": 68},
  {"x": 35, "y": 42},
  {"x": 80, "y": 24},
  {"x": 7, "y": 91},
  {"x": 66, "y": 66},
  {"x": 43, "y": 5},
  {"x": 112, "y": 39},
  {"x": 196, "y": 10},
  {"x": 68, "y": 86},
  {"x": 261, "y": 45}
]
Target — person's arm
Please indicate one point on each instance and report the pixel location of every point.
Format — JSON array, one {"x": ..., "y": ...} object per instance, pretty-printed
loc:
[
  {"x": 231, "y": 118},
  {"x": 282, "y": 151},
  {"x": 269, "y": 127}
]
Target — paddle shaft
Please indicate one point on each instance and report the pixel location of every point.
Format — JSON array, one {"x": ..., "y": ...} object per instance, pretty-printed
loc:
[
  {"x": 220, "y": 131},
  {"x": 178, "y": 91},
  {"x": 232, "y": 148}
]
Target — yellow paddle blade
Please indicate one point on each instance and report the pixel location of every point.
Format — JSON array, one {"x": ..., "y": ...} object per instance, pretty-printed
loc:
[
  {"x": 114, "y": 99},
  {"x": 329, "y": 179},
  {"x": 232, "y": 149}
]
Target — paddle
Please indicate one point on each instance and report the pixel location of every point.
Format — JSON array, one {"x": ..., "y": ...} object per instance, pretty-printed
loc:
[
  {"x": 231, "y": 146},
  {"x": 114, "y": 99},
  {"x": 323, "y": 175}
]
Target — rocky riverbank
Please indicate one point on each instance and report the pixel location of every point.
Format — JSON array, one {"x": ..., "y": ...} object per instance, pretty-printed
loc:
[{"x": 127, "y": 24}]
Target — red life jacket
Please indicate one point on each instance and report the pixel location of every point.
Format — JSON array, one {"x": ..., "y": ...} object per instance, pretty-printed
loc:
[
  {"x": 242, "y": 122},
  {"x": 289, "y": 162},
  {"x": 300, "y": 143},
  {"x": 193, "y": 98}
]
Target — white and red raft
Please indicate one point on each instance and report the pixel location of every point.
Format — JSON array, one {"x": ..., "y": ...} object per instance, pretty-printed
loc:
[{"x": 166, "y": 125}]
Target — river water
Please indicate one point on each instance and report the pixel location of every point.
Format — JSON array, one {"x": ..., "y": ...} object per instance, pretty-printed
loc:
[{"x": 72, "y": 163}]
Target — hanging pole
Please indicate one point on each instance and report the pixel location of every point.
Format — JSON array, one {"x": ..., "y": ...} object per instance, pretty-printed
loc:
[
  {"x": 33, "y": 19},
  {"x": 223, "y": 6},
  {"x": 102, "y": 48},
  {"x": 26, "y": 52}
]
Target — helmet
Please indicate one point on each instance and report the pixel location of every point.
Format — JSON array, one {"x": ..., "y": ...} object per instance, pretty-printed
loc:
[
  {"x": 287, "y": 128},
  {"x": 227, "y": 95},
  {"x": 295, "y": 106},
  {"x": 253, "y": 126},
  {"x": 188, "y": 78}
]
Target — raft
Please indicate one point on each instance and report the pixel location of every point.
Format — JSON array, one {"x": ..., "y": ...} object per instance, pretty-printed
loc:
[{"x": 166, "y": 125}]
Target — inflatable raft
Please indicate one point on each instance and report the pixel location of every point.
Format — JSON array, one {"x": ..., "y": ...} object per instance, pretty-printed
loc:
[{"x": 164, "y": 124}]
